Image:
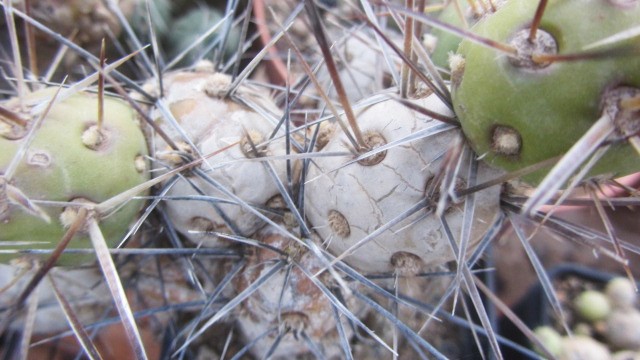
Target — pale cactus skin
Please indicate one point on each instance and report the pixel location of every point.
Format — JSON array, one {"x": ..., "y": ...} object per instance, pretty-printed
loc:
[
  {"x": 187, "y": 28},
  {"x": 338, "y": 191},
  {"x": 83, "y": 287},
  {"x": 215, "y": 124},
  {"x": 91, "y": 17},
  {"x": 346, "y": 202},
  {"x": 58, "y": 166},
  {"x": 550, "y": 108},
  {"x": 290, "y": 303}
]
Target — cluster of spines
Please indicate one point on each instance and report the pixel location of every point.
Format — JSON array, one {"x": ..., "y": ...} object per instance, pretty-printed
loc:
[{"x": 235, "y": 237}]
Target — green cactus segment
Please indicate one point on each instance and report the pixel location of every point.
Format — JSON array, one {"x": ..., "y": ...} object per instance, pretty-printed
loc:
[
  {"x": 187, "y": 28},
  {"x": 159, "y": 11},
  {"x": 58, "y": 166},
  {"x": 549, "y": 108},
  {"x": 446, "y": 42}
]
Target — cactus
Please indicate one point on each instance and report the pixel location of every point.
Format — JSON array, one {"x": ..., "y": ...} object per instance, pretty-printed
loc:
[
  {"x": 457, "y": 14},
  {"x": 274, "y": 232},
  {"x": 348, "y": 198},
  {"x": 60, "y": 152},
  {"x": 503, "y": 99},
  {"x": 234, "y": 136},
  {"x": 297, "y": 310},
  {"x": 603, "y": 321},
  {"x": 68, "y": 159},
  {"x": 187, "y": 28}
]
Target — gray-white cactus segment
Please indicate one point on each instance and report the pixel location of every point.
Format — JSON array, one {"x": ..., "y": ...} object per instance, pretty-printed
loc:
[
  {"x": 234, "y": 138},
  {"x": 347, "y": 200}
]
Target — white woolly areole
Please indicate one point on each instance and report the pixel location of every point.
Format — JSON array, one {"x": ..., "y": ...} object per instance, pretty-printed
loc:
[{"x": 368, "y": 197}]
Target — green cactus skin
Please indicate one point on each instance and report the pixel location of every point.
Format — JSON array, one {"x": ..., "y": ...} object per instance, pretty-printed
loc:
[
  {"x": 59, "y": 167},
  {"x": 187, "y": 28},
  {"x": 552, "y": 107},
  {"x": 592, "y": 305},
  {"x": 447, "y": 42}
]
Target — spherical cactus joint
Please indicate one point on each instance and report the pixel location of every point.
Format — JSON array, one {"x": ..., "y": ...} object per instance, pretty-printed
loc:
[
  {"x": 70, "y": 159},
  {"x": 549, "y": 90}
]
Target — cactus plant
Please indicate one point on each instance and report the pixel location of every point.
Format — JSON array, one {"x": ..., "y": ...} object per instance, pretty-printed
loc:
[
  {"x": 64, "y": 152},
  {"x": 527, "y": 93},
  {"x": 69, "y": 158},
  {"x": 349, "y": 198},
  {"x": 299, "y": 312},
  {"x": 264, "y": 212},
  {"x": 233, "y": 137}
]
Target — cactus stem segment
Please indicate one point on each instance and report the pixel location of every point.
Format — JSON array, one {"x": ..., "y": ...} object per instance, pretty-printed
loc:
[{"x": 613, "y": 120}]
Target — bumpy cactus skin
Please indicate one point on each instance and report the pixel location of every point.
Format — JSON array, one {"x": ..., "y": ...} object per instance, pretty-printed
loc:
[
  {"x": 347, "y": 203},
  {"x": 549, "y": 108},
  {"x": 83, "y": 287},
  {"x": 91, "y": 17},
  {"x": 218, "y": 125},
  {"x": 58, "y": 166},
  {"x": 446, "y": 42},
  {"x": 289, "y": 301}
]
